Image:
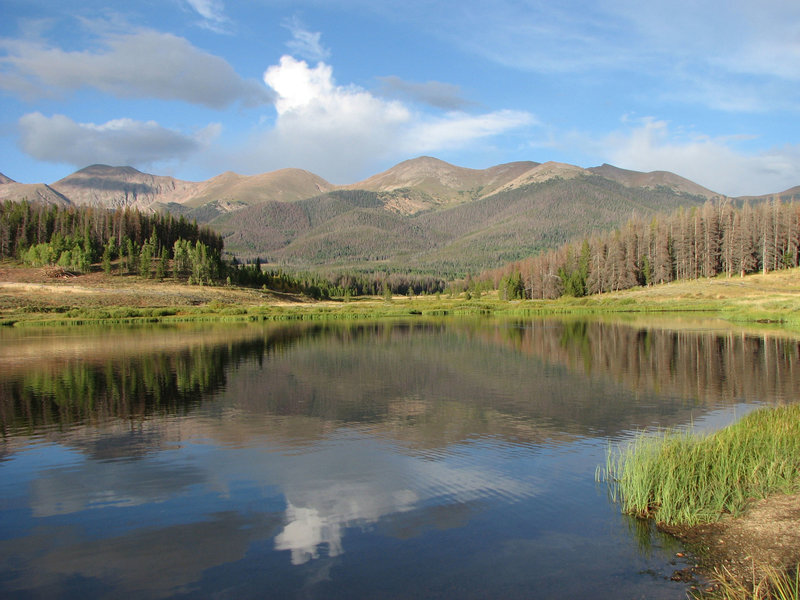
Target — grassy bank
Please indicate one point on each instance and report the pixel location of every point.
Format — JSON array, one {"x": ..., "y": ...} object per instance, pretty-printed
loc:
[{"x": 684, "y": 479}]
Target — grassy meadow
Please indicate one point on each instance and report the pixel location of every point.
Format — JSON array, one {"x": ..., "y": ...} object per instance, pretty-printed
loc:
[{"x": 28, "y": 296}]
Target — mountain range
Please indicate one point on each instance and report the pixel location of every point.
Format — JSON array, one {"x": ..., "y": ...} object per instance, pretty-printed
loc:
[{"x": 422, "y": 214}]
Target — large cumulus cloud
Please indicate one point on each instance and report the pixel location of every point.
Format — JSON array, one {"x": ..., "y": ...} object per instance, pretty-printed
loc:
[{"x": 338, "y": 131}]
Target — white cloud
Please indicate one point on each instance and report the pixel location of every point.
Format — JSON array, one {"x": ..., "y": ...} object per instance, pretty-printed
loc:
[
  {"x": 715, "y": 163},
  {"x": 146, "y": 63},
  {"x": 337, "y": 131},
  {"x": 305, "y": 44},
  {"x": 118, "y": 142},
  {"x": 319, "y": 512}
]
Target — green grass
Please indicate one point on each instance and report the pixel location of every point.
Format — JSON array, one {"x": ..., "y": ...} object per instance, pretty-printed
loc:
[{"x": 684, "y": 478}]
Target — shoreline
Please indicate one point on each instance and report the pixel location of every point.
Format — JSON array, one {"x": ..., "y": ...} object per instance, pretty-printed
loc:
[{"x": 747, "y": 547}]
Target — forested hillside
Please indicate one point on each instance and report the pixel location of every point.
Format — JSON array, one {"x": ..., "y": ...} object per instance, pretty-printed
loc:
[{"x": 357, "y": 228}]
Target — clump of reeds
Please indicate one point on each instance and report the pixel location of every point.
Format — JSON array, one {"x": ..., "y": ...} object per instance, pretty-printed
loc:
[
  {"x": 773, "y": 584},
  {"x": 685, "y": 478}
]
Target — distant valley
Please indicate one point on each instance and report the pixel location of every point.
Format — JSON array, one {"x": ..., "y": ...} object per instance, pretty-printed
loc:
[{"x": 422, "y": 215}]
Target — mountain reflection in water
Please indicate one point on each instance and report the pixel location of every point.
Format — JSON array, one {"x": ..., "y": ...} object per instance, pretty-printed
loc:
[{"x": 333, "y": 460}]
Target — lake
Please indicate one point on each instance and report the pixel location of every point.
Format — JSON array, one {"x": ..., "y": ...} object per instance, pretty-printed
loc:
[{"x": 395, "y": 459}]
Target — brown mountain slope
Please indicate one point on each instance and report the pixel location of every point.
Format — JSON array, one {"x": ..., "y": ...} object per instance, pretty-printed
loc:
[
  {"x": 652, "y": 179},
  {"x": 361, "y": 229},
  {"x": 407, "y": 188},
  {"x": 544, "y": 172},
  {"x": 442, "y": 182},
  {"x": 786, "y": 196},
  {"x": 34, "y": 192},
  {"x": 284, "y": 185},
  {"x": 101, "y": 185}
]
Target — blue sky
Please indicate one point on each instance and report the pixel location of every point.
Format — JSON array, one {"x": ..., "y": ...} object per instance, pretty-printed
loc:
[{"x": 347, "y": 88}]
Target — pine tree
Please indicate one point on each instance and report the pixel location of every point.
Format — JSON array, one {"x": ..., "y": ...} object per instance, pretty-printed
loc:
[
  {"x": 161, "y": 266},
  {"x": 145, "y": 260},
  {"x": 109, "y": 250}
]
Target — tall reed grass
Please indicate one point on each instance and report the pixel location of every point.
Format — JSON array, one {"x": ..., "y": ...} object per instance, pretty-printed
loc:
[
  {"x": 685, "y": 478},
  {"x": 773, "y": 584}
]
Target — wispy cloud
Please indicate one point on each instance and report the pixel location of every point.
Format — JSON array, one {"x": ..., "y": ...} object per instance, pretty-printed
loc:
[
  {"x": 740, "y": 45},
  {"x": 59, "y": 139},
  {"x": 213, "y": 13},
  {"x": 143, "y": 64},
  {"x": 457, "y": 129},
  {"x": 305, "y": 44}
]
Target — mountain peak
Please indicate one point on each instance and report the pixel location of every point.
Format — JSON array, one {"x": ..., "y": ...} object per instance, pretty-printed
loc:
[
  {"x": 107, "y": 170},
  {"x": 4, "y": 179},
  {"x": 104, "y": 185},
  {"x": 443, "y": 181}
]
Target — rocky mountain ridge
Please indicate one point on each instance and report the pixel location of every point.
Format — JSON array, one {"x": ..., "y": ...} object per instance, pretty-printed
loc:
[
  {"x": 418, "y": 184},
  {"x": 423, "y": 214}
]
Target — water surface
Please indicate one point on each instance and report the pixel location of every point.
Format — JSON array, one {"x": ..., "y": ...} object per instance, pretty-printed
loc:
[{"x": 420, "y": 459}]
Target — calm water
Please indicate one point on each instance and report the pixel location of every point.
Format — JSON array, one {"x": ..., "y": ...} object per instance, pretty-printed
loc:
[{"x": 451, "y": 459}]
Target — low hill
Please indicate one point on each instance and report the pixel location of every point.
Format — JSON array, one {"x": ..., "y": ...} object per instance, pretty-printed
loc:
[
  {"x": 230, "y": 191},
  {"x": 789, "y": 195}
]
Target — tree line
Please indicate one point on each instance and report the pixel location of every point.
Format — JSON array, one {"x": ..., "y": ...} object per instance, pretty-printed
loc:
[
  {"x": 25, "y": 223},
  {"x": 122, "y": 240},
  {"x": 717, "y": 238}
]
